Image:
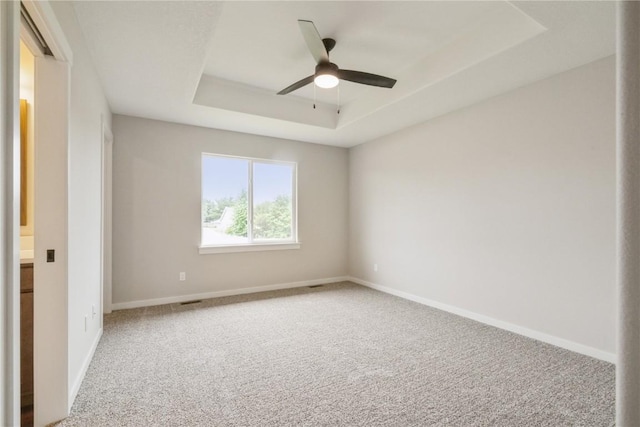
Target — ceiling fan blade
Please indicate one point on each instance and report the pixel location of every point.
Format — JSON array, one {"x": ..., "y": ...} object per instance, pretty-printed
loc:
[
  {"x": 296, "y": 85},
  {"x": 366, "y": 78},
  {"x": 314, "y": 41}
]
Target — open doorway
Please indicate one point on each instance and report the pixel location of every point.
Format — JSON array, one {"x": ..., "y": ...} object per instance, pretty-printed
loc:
[
  {"x": 27, "y": 144},
  {"x": 43, "y": 240},
  {"x": 50, "y": 113}
]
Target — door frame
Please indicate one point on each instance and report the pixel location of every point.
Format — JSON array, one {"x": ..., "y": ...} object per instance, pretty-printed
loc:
[
  {"x": 106, "y": 220},
  {"x": 10, "y": 213}
]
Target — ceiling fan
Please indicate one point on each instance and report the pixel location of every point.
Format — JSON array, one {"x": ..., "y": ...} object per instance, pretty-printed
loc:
[{"x": 327, "y": 73}]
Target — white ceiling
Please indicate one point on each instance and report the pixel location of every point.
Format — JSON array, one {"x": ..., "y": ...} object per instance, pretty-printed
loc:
[{"x": 220, "y": 64}]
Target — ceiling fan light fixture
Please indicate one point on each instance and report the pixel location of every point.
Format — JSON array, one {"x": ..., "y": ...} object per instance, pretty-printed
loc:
[
  {"x": 326, "y": 81},
  {"x": 326, "y": 75}
]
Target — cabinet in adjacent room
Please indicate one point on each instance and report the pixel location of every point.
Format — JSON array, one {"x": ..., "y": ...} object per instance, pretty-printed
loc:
[{"x": 26, "y": 334}]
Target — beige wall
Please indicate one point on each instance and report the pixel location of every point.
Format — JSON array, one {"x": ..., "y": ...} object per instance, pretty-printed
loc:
[
  {"x": 505, "y": 209},
  {"x": 156, "y": 219}
]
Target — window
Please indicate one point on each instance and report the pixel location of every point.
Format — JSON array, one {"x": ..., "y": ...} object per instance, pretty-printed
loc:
[{"x": 247, "y": 204}]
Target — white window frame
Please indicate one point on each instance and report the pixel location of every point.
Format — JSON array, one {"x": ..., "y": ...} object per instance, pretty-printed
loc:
[{"x": 263, "y": 244}]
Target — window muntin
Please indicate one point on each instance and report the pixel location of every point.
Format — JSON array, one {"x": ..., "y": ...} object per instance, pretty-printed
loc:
[{"x": 247, "y": 201}]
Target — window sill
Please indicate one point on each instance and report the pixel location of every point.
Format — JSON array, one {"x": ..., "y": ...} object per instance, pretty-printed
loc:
[{"x": 255, "y": 247}]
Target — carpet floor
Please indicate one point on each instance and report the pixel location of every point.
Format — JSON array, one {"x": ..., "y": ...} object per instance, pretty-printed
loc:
[{"x": 336, "y": 355}]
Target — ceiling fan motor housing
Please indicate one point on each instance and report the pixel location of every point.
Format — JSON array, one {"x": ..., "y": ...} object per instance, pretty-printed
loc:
[{"x": 326, "y": 68}]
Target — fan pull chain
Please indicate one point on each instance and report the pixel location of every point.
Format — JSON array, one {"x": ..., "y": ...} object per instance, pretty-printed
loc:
[
  {"x": 314, "y": 96},
  {"x": 338, "y": 99}
]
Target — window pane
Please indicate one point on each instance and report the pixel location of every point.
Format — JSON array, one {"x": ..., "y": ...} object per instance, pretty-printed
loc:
[
  {"x": 224, "y": 200},
  {"x": 272, "y": 201}
]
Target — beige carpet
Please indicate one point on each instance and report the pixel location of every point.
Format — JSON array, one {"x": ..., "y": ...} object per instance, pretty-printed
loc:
[{"x": 337, "y": 355}]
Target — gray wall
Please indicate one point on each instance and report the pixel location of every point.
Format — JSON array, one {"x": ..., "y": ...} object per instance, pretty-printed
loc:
[
  {"x": 156, "y": 217},
  {"x": 88, "y": 110},
  {"x": 505, "y": 209}
]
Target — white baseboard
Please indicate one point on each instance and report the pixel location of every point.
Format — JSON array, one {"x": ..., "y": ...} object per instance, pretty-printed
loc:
[
  {"x": 226, "y": 293},
  {"x": 83, "y": 371},
  {"x": 530, "y": 333}
]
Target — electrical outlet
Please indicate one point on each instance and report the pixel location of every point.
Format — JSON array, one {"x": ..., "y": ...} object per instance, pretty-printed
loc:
[
  {"x": 183, "y": 276},
  {"x": 375, "y": 267}
]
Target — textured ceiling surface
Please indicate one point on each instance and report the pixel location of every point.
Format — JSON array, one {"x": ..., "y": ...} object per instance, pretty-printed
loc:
[{"x": 220, "y": 64}]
